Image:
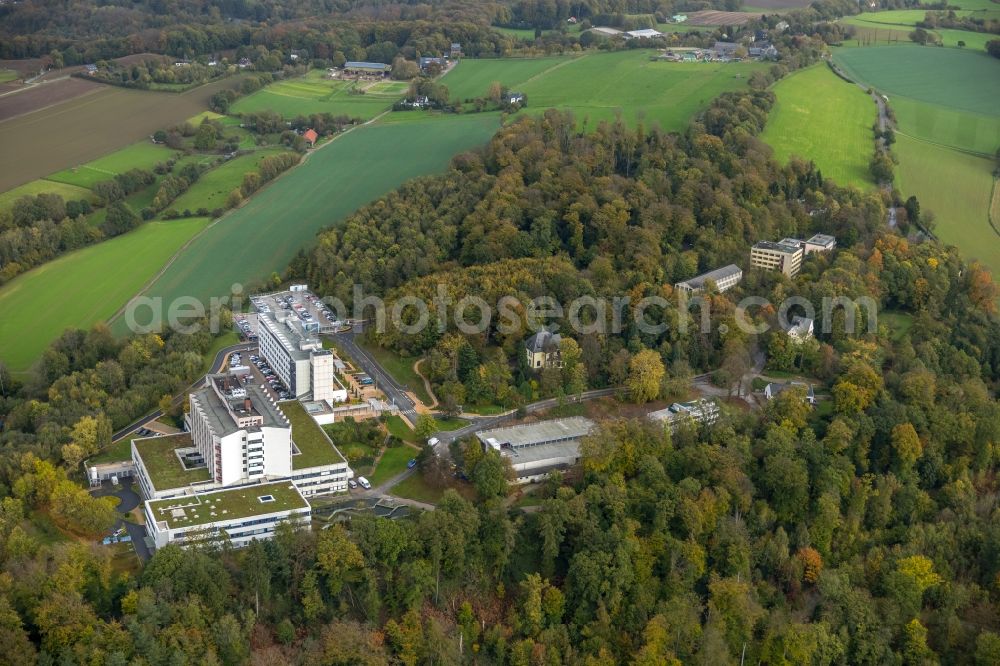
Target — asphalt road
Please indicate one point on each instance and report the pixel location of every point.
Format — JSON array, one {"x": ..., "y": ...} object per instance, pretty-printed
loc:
[
  {"x": 394, "y": 391},
  {"x": 488, "y": 422},
  {"x": 217, "y": 363},
  {"x": 129, "y": 500}
]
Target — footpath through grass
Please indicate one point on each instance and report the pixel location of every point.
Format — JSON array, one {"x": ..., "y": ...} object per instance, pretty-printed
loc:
[
  {"x": 83, "y": 287},
  {"x": 820, "y": 117},
  {"x": 601, "y": 86}
]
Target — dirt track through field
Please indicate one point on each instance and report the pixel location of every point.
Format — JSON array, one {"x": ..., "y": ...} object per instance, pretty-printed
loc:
[
  {"x": 71, "y": 132},
  {"x": 29, "y": 99}
]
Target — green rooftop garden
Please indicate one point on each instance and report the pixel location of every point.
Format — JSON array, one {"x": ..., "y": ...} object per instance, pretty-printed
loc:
[
  {"x": 164, "y": 467},
  {"x": 238, "y": 503},
  {"x": 315, "y": 448}
]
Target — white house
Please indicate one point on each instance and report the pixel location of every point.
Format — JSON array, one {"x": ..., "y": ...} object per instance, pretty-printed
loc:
[
  {"x": 542, "y": 350},
  {"x": 773, "y": 390},
  {"x": 800, "y": 329},
  {"x": 645, "y": 33},
  {"x": 702, "y": 410}
]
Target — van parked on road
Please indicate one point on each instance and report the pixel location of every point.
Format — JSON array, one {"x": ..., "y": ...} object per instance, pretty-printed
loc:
[{"x": 363, "y": 482}]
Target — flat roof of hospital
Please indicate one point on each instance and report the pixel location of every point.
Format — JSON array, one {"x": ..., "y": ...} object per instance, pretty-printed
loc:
[
  {"x": 164, "y": 468},
  {"x": 224, "y": 505}
]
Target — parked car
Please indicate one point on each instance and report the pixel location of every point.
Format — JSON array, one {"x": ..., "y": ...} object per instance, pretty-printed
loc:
[
  {"x": 412, "y": 463},
  {"x": 352, "y": 483},
  {"x": 363, "y": 482}
]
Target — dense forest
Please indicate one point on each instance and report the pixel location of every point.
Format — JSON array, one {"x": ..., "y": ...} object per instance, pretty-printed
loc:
[
  {"x": 867, "y": 532},
  {"x": 82, "y": 31},
  {"x": 868, "y": 535}
]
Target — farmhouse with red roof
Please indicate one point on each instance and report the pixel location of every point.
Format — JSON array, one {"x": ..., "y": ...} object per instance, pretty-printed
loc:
[{"x": 310, "y": 136}]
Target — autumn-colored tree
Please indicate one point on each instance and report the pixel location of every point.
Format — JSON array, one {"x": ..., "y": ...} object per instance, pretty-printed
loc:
[
  {"x": 906, "y": 443},
  {"x": 920, "y": 570},
  {"x": 812, "y": 563},
  {"x": 983, "y": 290},
  {"x": 338, "y": 558},
  {"x": 646, "y": 372},
  {"x": 915, "y": 649}
]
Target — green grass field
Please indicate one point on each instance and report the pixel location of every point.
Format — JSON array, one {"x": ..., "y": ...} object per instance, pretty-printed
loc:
[
  {"x": 600, "y": 86},
  {"x": 401, "y": 370},
  {"x": 83, "y": 287},
  {"x": 951, "y": 127},
  {"x": 957, "y": 187},
  {"x": 953, "y": 78},
  {"x": 899, "y": 35},
  {"x": 416, "y": 488},
  {"x": 212, "y": 188},
  {"x": 472, "y": 78},
  {"x": 314, "y": 93},
  {"x": 895, "y": 17},
  {"x": 392, "y": 462},
  {"x": 141, "y": 155},
  {"x": 359, "y": 166},
  {"x": 43, "y": 186},
  {"x": 7, "y": 75},
  {"x": 681, "y": 27},
  {"x": 136, "y": 201},
  {"x": 517, "y": 33},
  {"x": 398, "y": 427},
  {"x": 945, "y": 103},
  {"x": 821, "y": 117}
]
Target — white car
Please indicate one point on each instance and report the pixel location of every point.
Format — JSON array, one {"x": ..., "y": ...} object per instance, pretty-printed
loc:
[{"x": 363, "y": 482}]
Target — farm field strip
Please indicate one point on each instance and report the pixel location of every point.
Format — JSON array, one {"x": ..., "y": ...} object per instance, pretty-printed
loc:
[
  {"x": 715, "y": 18},
  {"x": 141, "y": 155},
  {"x": 958, "y": 188},
  {"x": 949, "y": 129},
  {"x": 44, "y": 142},
  {"x": 314, "y": 93},
  {"x": 820, "y": 117},
  {"x": 898, "y": 35},
  {"x": 952, "y": 78},
  {"x": 248, "y": 244},
  {"x": 83, "y": 287},
  {"x": 962, "y": 130},
  {"x": 213, "y": 187},
  {"x": 41, "y": 186},
  {"x": 472, "y": 78},
  {"x": 907, "y": 18}
]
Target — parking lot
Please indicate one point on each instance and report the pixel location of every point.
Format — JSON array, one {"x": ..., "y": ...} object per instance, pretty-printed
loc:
[
  {"x": 260, "y": 373},
  {"x": 309, "y": 309}
]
